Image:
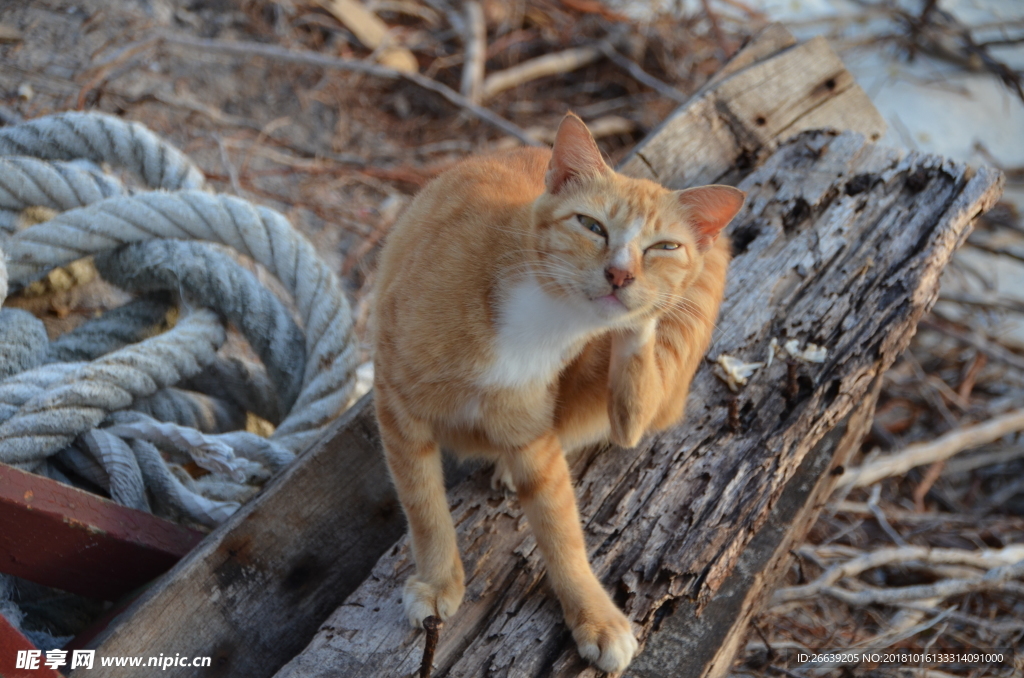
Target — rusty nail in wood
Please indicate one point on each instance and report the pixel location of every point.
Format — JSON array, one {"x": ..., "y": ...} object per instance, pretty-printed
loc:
[{"x": 432, "y": 625}]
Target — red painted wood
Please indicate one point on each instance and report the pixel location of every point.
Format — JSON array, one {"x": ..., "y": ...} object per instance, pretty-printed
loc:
[
  {"x": 11, "y": 641},
  {"x": 63, "y": 537}
]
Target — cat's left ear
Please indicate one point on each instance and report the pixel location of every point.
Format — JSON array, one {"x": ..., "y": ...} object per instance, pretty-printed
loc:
[
  {"x": 710, "y": 208},
  {"x": 574, "y": 154}
]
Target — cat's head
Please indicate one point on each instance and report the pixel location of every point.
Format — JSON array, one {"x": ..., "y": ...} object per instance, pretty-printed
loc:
[{"x": 624, "y": 248}]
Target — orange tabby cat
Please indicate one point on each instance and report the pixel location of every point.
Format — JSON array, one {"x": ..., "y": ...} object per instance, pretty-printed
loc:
[{"x": 530, "y": 303}]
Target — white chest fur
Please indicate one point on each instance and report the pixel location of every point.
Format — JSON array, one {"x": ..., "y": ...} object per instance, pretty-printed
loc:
[{"x": 537, "y": 335}]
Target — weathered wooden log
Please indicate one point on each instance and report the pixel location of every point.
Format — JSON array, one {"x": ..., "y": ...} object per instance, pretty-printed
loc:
[
  {"x": 769, "y": 92},
  {"x": 841, "y": 245},
  {"x": 688, "y": 644}
]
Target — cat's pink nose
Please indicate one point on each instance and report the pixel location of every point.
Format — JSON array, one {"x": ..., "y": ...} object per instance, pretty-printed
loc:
[{"x": 618, "y": 277}]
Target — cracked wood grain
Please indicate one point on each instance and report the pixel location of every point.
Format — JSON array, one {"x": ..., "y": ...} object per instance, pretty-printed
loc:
[
  {"x": 769, "y": 92},
  {"x": 841, "y": 244}
]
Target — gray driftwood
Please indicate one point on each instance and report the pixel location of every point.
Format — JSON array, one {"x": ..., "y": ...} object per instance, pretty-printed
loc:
[
  {"x": 663, "y": 520},
  {"x": 841, "y": 245}
]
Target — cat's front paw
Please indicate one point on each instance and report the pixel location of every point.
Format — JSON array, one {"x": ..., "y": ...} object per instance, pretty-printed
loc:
[
  {"x": 423, "y": 599},
  {"x": 606, "y": 639}
]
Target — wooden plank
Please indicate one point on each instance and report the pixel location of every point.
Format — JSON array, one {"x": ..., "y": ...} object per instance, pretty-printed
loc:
[
  {"x": 842, "y": 245},
  {"x": 705, "y": 644},
  {"x": 254, "y": 592},
  {"x": 324, "y": 522},
  {"x": 730, "y": 127},
  {"x": 694, "y": 117},
  {"x": 766, "y": 43},
  {"x": 12, "y": 641},
  {"x": 63, "y": 537}
]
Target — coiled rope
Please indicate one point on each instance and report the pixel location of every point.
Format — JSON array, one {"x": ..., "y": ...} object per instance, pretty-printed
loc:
[{"x": 116, "y": 402}]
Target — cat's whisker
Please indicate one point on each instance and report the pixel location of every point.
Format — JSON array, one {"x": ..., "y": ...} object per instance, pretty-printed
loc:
[{"x": 686, "y": 308}]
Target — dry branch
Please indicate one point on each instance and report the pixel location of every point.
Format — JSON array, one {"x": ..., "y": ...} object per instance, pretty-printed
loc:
[
  {"x": 943, "y": 447},
  {"x": 978, "y": 341},
  {"x": 986, "y": 559},
  {"x": 476, "y": 52},
  {"x": 962, "y": 465},
  {"x": 999, "y": 578},
  {"x": 549, "y": 64},
  {"x": 640, "y": 75},
  {"x": 250, "y": 49},
  {"x": 373, "y": 33}
]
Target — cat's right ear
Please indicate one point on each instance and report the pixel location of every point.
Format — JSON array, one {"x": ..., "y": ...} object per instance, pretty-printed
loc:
[
  {"x": 575, "y": 154},
  {"x": 711, "y": 208}
]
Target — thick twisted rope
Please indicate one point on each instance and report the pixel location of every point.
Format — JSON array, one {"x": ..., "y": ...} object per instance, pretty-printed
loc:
[
  {"x": 22, "y": 341},
  {"x": 30, "y": 182},
  {"x": 51, "y": 420},
  {"x": 102, "y": 139},
  {"x": 228, "y": 387},
  {"x": 203, "y": 275},
  {"x": 60, "y": 415},
  {"x": 261, "y": 233}
]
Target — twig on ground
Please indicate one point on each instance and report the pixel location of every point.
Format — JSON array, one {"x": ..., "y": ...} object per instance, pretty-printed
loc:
[
  {"x": 1000, "y": 578},
  {"x": 1005, "y": 493},
  {"x": 940, "y": 33},
  {"x": 992, "y": 249},
  {"x": 249, "y": 49},
  {"x": 987, "y": 559},
  {"x": 723, "y": 44},
  {"x": 933, "y": 473},
  {"x": 904, "y": 517},
  {"x": 104, "y": 67},
  {"x": 931, "y": 392},
  {"x": 432, "y": 625},
  {"x": 549, "y": 64},
  {"x": 595, "y": 7},
  {"x": 983, "y": 302},
  {"x": 229, "y": 166},
  {"x": 640, "y": 75},
  {"x": 476, "y": 52},
  {"x": 961, "y": 465},
  {"x": 372, "y": 32},
  {"x": 970, "y": 377},
  {"x": 942, "y": 447},
  {"x": 880, "y": 518},
  {"x": 988, "y": 625},
  {"x": 906, "y": 624},
  {"x": 978, "y": 341}
]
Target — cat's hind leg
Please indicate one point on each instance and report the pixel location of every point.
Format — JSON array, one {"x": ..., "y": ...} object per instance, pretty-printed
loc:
[
  {"x": 541, "y": 476},
  {"x": 438, "y": 586}
]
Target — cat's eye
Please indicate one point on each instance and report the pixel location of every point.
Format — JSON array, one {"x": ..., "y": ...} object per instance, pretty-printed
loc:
[
  {"x": 591, "y": 224},
  {"x": 664, "y": 245}
]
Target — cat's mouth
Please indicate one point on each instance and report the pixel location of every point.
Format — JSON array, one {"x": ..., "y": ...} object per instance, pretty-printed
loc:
[{"x": 610, "y": 303}]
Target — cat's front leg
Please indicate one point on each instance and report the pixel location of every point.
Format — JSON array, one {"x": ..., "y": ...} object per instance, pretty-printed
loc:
[
  {"x": 602, "y": 632},
  {"x": 438, "y": 586},
  {"x": 635, "y": 383}
]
